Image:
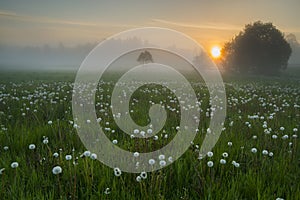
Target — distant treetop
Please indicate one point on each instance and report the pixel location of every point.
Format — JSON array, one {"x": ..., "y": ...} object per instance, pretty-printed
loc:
[
  {"x": 145, "y": 57},
  {"x": 260, "y": 48}
]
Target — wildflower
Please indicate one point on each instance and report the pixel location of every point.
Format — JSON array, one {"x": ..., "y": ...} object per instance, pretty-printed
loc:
[
  {"x": 295, "y": 136},
  {"x": 68, "y": 157},
  {"x": 223, "y": 161},
  {"x": 285, "y": 137},
  {"x": 87, "y": 153},
  {"x": 274, "y": 136},
  {"x": 117, "y": 171},
  {"x": 162, "y": 163},
  {"x": 208, "y": 131},
  {"x": 138, "y": 178},
  {"x": 45, "y": 141},
  {"x": 136, "y": 131},
  {"x": 225, "y": 154},
  {"x": 271, "y": 154},
  {"x": 2, "y": 170},
  {"x": 237, "y": 165},
  {"x": 143, "y": 133},
  {"x": 161, "y": 157},
  {"x": 115, "y": 141},
  {"x": 107, "y": 191},
  {"x": 56, "y": 170},
  {"x": 31, "y": 146},
  {"x": 254, "y": 150},
  {"x": 143, "y": 175},
  {"x": 150, "y": 131},
  {"x": 151, "y": 161},
  {"x": 265, "y": 152},
  {"x": 14, "y": 165},
  {"x": 210, "y": 163},
  {"x": 93, "y": 156},
  {"x": 210, "y": 154}
]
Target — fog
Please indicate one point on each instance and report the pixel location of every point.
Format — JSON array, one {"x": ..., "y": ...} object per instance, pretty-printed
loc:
[{"x": 61, "y": 57}]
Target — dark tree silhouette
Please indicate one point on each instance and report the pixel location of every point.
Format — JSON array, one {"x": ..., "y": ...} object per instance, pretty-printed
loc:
[
  {"x": 260, "y": 48},
  {"x": 145, "y": 57}
]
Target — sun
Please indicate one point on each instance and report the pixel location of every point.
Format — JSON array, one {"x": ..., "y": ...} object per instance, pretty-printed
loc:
[{"x": 215, "y": 52}]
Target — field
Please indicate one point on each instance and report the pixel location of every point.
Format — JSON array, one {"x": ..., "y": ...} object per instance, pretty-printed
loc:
[{"x": 256, "y": 157}]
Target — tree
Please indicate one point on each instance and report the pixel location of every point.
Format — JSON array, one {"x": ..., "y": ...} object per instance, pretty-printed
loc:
[
  {"x": 259, "y": 48},
  {"x": 145, "y": 57}
]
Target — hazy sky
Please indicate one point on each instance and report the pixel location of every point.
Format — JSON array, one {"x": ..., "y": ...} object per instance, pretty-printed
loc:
[{"x": 36, "y": 22}]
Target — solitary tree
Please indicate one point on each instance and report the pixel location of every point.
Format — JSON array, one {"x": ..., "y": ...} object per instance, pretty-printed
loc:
[
  {"x": 260, "y": 48},
  {"x": 145, "y": 57}
]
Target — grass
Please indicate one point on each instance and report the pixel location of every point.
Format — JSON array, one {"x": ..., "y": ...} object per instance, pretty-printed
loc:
[{"x": 46, "y": 96}]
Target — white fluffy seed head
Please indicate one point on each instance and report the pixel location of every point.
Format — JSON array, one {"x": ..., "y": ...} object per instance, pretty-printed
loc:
[
  {"x": 31, "y": 146},
  {"x": 117, "y": 171},
  {"x": 115, "y": 141},
  {"x": 136, "y": 154},
  {"x": 136, "y": 131},
  {"x": 68, "y": 157},
  {"x": 45, "y": 141},
  {"x": 237, "y": 165},
  {"x": 161, "y": 157},
  {"x": 14, "y": 165},
  {"x": 254, "y": 150},
  {"x": 143, "y": 175},
  {"x": 223, "y": 161},
  {"x": 56, "y": 170},
  {"x": 151, "y": 161},
  {"x": 210, "y": 163},
  {"x": 271, "y": 154},
  {"x": 162, "y": 163},
  {"x": 225, "y": 154},
  {"x": 265, "y": 152},
  {"x": 210, "y": 154},
  {"x": 87, "y": 153},
  {"x": 138, "y": 178}
]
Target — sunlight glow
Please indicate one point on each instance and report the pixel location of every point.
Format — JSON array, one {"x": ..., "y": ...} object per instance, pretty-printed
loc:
[{"x": 216, "y": 52}]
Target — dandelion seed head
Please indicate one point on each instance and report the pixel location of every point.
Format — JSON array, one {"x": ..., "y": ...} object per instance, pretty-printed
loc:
[
  {"x": 210, "y": 163},
  {"x": 56, "y": 170},
  {"x": 31, "y": 146}
]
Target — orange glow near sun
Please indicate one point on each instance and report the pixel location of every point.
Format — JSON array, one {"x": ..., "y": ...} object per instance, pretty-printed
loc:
[{"x": 215, "y": 52}]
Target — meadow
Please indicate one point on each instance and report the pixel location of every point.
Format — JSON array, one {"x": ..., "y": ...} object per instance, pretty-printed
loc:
[{"x": 256, "y": 157}]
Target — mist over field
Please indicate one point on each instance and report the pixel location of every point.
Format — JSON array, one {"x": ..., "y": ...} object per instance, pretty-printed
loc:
[{"x": 61, "y": 57}]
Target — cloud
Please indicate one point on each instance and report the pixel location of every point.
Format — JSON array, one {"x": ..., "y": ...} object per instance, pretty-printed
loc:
[
  {"x": 7, "y": 13},
  {"x": 46, "y": 20},
  {"x": 215, "y": 26}
]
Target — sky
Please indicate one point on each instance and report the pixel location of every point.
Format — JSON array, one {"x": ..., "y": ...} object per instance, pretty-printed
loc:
[{"x": 73, "y": 22}]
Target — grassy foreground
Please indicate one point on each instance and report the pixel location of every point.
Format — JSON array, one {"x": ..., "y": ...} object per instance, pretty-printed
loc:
[{"x": 256, "y": 157}]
